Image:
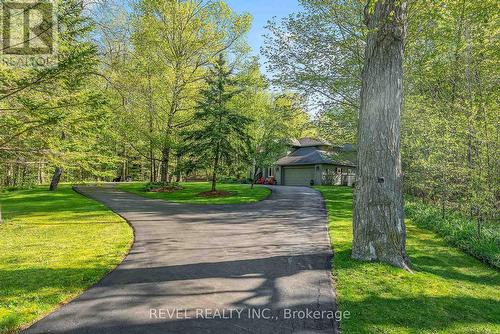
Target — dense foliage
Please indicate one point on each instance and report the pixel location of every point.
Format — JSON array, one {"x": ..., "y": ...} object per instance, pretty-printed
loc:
[
  {"x": 219, "y": 134},
  {"x": 448, "y": 292},
  {"x": 450, "y": 118},
  {"x": 481, "y": 241},
  {"x": 53, "y": 116},
  {"x": 140, "y": 92},
  {"x": 129, "y": 78},
  {"x": 318, "y": 53}
]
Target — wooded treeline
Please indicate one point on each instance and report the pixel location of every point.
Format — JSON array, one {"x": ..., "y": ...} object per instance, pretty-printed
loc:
[
  {"x": 130, "y": 79},
  {"x": 450, "y": 118},
  {"x": 120, "y": 104},
  {"x": 53, "y": 118}
]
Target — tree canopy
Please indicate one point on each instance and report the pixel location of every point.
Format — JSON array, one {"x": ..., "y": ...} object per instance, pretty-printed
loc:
[{"x": 131, "y": 77}]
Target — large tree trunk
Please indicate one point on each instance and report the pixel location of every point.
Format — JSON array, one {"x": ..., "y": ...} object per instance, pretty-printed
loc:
[
  {"x": 165, "y": 159},
  {"x": 176, "y": 88},
  {"x": 152, "y": 175},
  {"x": 152, "y": 169},
  {"x": 379, "y": 229},
  {"x": 214, "y": 180},
  {"x": 178, "y": 174},
  {"x": 55, "y": 179},
  {"x": 216, "y": 167}
]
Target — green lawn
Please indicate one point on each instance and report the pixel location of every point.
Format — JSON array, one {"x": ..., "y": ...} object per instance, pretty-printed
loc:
[
  {"x": 52, "y": 247},
  {"x": 190, "y": 194},
  {"x": 450, "y": 292}
]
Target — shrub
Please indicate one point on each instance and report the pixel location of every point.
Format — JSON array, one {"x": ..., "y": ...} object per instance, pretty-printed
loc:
[
  {"x": 234, "y": 180},
  {"x": 160, "y": 186},
  {"x": 458, "y": 230}
]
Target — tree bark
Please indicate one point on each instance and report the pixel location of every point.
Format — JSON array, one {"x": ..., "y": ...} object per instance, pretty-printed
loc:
[
  {"x": 214, "y": 180},
  {"x": 178, "y": 174},
  {"x": 152, "y": 169},
  {"x": 168, "y": 149},
  {"x": 55, "y": 179},
  {"x": 216, "y": 167},
  {"x": 176, "y": 91},
  {"x": 378, "y": 224},
  {"x": 164, "y": 164},
  {"x": 151, "y": 110}
]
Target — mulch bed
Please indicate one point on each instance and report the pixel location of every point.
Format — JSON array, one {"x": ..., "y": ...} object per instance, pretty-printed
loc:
[
  {"x": 168, "y": 189},
  {"x": 219, "y": 193}
]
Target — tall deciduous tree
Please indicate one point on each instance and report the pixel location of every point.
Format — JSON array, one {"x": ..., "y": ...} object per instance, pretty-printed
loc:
[
  {"x": 275, "y": 119},
  {"x": 184, "y": 37},
  {"x": 38, "y": 104},
  {"x": 318, "y": 53},
  {"x": 379, "y": 229},
  {"x": 450, "y": 123}
]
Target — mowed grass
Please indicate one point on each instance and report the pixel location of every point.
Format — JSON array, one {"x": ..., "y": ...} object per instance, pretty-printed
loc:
[
  {"x": 243, "y": 193},
  {"x": 52, "y": 247},
  {"x": 449, "y": 291}
]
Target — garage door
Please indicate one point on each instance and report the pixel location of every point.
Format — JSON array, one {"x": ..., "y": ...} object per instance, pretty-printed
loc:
[{"x": 298, "y": 176}]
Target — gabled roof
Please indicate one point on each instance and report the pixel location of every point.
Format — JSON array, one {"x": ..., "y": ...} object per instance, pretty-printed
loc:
[
  {"x": 313, "y": 156},
  {"x": 303, "y": 156},
  {"x": 309, "y": 142},
  {"x": 346, "y": 148}
]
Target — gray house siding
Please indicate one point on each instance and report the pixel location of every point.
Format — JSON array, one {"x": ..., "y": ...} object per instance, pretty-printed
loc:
[
  {"x": 312, "y": 161},
  {"x": 299, "y": 175},
  {"x": 320, "y": 174}
]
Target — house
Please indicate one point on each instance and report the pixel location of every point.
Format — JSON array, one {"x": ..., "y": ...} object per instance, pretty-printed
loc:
[{"x": 315, "y": 162}]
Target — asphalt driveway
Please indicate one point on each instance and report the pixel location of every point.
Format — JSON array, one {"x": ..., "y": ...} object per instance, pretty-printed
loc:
[{"x": 252, "y": 268}]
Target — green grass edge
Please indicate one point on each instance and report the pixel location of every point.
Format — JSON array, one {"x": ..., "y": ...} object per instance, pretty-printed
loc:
[
  {"x": 31, "y": 218},
  {"x": 189, "y": 195},
  {"x": 449, "y": 292}
]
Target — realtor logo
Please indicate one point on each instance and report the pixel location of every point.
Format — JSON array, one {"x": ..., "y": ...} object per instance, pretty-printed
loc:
[{"x": 28, "y": 32}]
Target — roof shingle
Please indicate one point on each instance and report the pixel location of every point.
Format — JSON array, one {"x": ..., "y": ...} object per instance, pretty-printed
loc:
[
  {"x": 313, "y": 156},
  {"x": 309, "y": 142}
]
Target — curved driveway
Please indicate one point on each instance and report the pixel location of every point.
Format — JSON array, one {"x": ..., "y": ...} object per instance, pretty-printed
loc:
[{"x": 252, "y": 268}]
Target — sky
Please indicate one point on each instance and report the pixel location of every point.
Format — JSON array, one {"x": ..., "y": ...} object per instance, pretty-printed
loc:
[{"x": 262, "y": 11}]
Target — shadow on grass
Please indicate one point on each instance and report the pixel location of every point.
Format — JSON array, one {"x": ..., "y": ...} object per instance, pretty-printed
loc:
[
  {"x": 40, "y": 289},
  {"x": 39, "y": 203},
  {"x": 428, "y": 313},
  {"x": 132, "y": 291},
  {"x": 449, "y": 291},
  {"x": 446, "y": 268}
]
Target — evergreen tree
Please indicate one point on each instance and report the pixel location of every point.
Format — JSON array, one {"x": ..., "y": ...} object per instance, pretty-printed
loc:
[
  {"x": 222, "y": 133},
  {"x": 179, "y": 39}
]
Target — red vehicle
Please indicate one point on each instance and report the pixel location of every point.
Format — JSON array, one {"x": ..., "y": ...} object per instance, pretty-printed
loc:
[{"x": 261, "y": 180}]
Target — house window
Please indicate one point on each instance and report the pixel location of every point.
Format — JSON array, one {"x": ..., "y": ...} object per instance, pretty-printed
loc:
[{"x": 339, "y": 170}]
